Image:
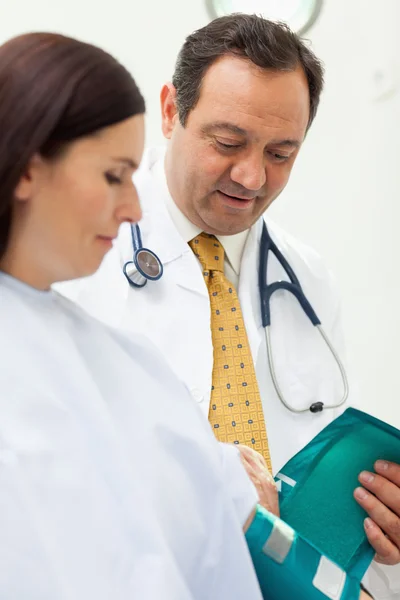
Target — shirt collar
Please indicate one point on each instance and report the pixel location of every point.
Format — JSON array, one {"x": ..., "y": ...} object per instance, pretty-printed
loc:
[
  {"x": 233, "y": 244},
  {"x": 234, "y": 248}
]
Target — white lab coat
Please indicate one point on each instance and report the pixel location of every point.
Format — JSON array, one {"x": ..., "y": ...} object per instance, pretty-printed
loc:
[
  {"x": 111, "y": 482},
  {"x": 174, "y": 313}
]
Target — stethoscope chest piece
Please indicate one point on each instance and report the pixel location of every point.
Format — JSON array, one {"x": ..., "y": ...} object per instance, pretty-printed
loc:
[{"x": 145, "y": 265}]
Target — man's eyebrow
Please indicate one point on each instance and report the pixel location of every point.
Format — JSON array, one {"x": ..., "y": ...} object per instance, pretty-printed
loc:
[
  {"x": 127, "y": 161},
  {"x": 286, "y": 142},
  {"x": 226, "y": 126}
]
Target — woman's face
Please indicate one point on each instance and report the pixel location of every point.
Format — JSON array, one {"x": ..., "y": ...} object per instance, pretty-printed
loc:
[{"x": 68, "y": 209}]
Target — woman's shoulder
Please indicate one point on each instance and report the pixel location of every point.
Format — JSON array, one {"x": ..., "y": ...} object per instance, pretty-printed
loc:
[{"x": 136, "y": 345}]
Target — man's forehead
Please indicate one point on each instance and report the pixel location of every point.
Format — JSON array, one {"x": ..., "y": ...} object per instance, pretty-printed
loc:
[
  {"x": 235, "y": 69},
  {"x": 234, "y": 87}
]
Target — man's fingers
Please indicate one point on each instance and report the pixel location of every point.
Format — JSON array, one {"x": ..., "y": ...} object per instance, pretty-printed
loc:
[
  {"x": 386, "y": 491},
  {"x": 386, "y": 552},
  {"x": 382, "y": 529},
  {"x": 380, "y": 514},
  {"x": 389, "y": 470}
]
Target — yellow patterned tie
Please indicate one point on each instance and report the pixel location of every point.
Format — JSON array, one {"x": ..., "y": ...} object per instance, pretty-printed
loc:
[{"x": 236, "y": 412}]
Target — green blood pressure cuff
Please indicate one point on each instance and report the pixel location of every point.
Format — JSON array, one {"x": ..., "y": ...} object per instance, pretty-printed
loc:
[
  {"x": 317, "y": 484},
  {"x": 289, "y": 567}
]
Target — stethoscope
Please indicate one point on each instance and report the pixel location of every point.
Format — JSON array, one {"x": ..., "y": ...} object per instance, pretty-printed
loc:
[{"x": 146, "y": 265}]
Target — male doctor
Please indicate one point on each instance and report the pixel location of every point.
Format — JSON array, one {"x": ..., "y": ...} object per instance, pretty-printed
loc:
[{"x": 244, "y": 93}]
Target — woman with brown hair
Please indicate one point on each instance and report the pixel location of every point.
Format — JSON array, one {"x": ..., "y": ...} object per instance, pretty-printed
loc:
[{"x": 111, "y": 483}]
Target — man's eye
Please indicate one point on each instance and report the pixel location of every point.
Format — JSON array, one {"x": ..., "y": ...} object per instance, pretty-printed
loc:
[
  {"x": 279, "y": 157},
  {"x": 227, "y": 146},
  {"x": 113, "y": 179}
]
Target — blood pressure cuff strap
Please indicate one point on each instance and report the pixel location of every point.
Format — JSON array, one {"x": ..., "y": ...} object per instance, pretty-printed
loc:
[
  {"x": 288, "y": 566},
  {"x": 317, "y": 485}
]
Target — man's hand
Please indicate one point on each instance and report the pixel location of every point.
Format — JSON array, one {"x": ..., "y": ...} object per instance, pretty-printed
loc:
[
  {"x": 263, "y": 481},
  {"x": 383, "y": 507}
]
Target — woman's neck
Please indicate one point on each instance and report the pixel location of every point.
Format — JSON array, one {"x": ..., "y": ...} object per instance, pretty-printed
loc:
[{"x": 23, "y": 265}]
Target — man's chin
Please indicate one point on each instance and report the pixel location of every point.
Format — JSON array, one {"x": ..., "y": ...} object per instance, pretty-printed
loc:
[{"x": 226, "y": 225}]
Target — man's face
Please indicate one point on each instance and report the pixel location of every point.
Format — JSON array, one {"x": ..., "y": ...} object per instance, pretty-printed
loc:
[{"x": 237, "y": 150}]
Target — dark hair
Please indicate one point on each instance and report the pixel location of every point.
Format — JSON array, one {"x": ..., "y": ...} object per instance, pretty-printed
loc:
[
  {"x": 53, "y": 90},
  {"x": 267, "y": 44}
]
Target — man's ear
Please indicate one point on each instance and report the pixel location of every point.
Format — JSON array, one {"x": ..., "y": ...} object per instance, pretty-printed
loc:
[
  {"x": 28, "y": 180},
  {"x": 169, "y": 113}
]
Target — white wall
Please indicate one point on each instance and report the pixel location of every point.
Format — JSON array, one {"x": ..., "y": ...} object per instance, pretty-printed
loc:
[{"x": 343, "y": 195}]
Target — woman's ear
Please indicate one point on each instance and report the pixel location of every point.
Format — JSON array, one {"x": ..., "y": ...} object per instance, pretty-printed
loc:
[{"x": 29, "y": 179}]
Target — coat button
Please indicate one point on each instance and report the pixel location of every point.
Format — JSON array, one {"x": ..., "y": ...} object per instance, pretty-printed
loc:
[{"x": 197, "y": 395}]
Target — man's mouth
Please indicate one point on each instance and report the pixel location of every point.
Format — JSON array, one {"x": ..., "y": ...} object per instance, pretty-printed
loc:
[{"x": 239, "y": 202}]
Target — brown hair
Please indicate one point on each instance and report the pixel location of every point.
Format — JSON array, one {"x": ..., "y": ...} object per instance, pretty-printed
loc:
[
  {"x": 53, "y": 90},
  {"x": 266, "y": 44}
]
